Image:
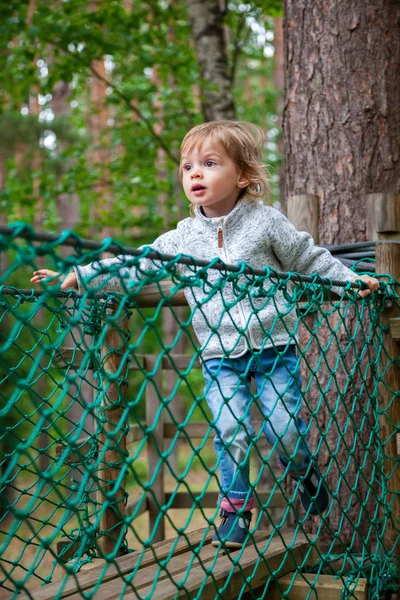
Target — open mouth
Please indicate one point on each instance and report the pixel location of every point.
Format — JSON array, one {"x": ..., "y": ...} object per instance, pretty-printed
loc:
[{"x": 198, "y": 188}]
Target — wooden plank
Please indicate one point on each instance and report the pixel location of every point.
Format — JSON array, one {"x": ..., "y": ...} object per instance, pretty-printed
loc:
[
  {"x": 175, "y": 569},
  {"x": 388, "y": 261},
  {"x": 173, "y": 362},
  {"x": 210, "y": 499},
  {"x": 112, "y": 435},
  {"x": 280, "y": 555},
  {"x": 302, "y": 587},
  {"x": 196, "y": 430},
  {"x": 77, "y": 451},
  {"x": 121, "y": 566},
  {"x": 155, "y": 447},
  {"x": 383, "y": 216},
  {"x": 150, "y": 296},
  {"x": 395, "y": 328},
  {"x": 192, "y": 430},
  {"x": 135, "y": 433},
  {"x": 73, "y": 358},
  {"x": 133, "y": 503},
  {"x": 70, "y": 357},
  {"x": 303, "y": 213}
]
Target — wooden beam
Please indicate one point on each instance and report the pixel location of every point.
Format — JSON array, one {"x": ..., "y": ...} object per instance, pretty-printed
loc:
[
  {"x": 122, "y": 566},
  {"x": 73, "y": 358},
  {"x": 312, "y": 587},
  {"x": 210, "y": 569},
  {"x": 256, "y": 561},
  {"x": 209, "y": 499},
  {"x": 194, "y": 430},
  {"x": 303, "y": 213},
  {"x": 388, "y": 261},
  {"x": 395, "y": 328},
  {"x": 112, "y": 435},
  {"x": 134, "y": 503},
  {"x": 155, "y": 449},
  {"x": 150, "y": 296},
  {"x": 383, "y": 216}
]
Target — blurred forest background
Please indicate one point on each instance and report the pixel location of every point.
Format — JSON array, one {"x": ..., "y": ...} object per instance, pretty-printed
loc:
[{"x": 97, "y": 95}]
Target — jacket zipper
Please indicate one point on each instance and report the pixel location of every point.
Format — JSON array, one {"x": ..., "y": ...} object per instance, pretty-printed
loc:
[
  {"x": 220, "y": 234},
  {"x": 221, "y": 244}
]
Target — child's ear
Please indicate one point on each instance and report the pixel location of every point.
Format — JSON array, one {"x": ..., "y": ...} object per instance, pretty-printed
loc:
[{"x": 242, "y": 181}]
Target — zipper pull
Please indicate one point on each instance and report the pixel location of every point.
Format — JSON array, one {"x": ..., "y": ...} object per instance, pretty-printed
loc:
[{"x": 220, "y": 236}]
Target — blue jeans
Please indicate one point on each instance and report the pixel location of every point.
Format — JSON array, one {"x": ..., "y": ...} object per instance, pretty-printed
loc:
[{"x": 278, "y": 399}]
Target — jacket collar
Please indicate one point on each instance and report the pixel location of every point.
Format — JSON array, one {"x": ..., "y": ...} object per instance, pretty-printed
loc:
[{"x": 235, "y": 215}]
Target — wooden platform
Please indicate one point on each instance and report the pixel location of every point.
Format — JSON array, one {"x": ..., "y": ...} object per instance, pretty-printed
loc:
[
  {"x": 190, "y": 567},
  {"x": 314, "y": 587}
]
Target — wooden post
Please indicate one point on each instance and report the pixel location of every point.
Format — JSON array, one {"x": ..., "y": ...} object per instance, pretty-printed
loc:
[
  {"x": 112, "y": 433},
  {"x": 155, "y": 446},
  {"x": 388, "y": 261},
  {"x": 383, "y": 216},
  {"x": 303, "y": 213}
]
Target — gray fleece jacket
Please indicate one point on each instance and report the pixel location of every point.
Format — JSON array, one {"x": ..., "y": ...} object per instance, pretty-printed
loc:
[{"x": 227, "y": 319}]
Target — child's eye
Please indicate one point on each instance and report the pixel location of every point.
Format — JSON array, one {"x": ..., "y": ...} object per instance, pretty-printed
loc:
[
  {"x": 210, "y": 163},
  {"x": 187, "y": 167}
]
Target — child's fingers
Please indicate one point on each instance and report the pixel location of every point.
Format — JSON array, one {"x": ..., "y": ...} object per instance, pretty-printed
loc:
[
  {"x": 45, "y": 275},
  {"x": 371, "y": 282},
  {"x": 69, "y": 282}
]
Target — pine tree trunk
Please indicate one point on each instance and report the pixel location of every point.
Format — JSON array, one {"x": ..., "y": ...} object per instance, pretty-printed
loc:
[
  {"x": 279, "y": 84},
  {"x": 342, "y": 117},
  {"x": 342, "y": 131}
]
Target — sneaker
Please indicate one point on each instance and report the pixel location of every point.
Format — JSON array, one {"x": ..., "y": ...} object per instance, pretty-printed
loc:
[
  {"x": 234, "y": 529},
  {"x": 314, "y": 494}
]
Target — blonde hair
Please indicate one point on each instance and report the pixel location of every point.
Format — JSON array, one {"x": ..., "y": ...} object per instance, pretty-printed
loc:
[{"x": 243, "y": 142}]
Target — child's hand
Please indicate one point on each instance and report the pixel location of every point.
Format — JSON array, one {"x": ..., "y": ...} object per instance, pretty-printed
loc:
[
  {"x": 371, "y": 282},
  {"x": 44, "y": 274},
  {"x": 53, "y": 278}
]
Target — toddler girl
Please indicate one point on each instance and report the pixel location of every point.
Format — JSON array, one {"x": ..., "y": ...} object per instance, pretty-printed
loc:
[{"x": 241, "y": 337}]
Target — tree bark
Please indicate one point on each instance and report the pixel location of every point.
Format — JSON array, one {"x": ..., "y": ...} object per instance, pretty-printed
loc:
[
  {"x": 341, "y": 130},
  {"x": 206, "y": 19},
  {"x": 279, "y": 84},
  {"x": 342, "y": 107}
]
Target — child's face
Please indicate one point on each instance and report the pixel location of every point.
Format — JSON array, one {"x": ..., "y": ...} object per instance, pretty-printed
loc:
[{"x": 211, "y": 179}]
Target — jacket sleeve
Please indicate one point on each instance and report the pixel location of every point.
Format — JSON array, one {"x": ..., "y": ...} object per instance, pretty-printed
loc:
[
  {"x": 119, "y": 274},
  {"x": 296, "y": 251}
]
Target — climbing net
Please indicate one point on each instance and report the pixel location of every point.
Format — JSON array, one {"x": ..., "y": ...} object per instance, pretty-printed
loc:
[{"x": 96, "y": 457}]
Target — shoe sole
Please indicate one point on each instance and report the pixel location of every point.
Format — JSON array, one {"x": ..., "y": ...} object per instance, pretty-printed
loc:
[{"x": 226, "y": 544}]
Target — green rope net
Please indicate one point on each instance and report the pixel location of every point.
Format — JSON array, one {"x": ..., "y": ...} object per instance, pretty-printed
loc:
[{"x": 106, "y": 440}]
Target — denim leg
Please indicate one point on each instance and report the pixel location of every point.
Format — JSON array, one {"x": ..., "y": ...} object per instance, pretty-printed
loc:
[
  {"x": 279, "y": 389},
  {"x": 227, "y": 392}
]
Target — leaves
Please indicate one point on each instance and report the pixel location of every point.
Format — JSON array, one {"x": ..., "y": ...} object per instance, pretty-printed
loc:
[{"x": 152, "y": 99}]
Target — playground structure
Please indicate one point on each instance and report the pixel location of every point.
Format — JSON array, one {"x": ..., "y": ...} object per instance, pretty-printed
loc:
[{"x": 78, "y": 510}]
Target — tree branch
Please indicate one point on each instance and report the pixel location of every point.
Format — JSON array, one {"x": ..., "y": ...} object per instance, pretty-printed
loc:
[
  {"x": 138, "y": 113},
  {"x": 123, "y": 97}
]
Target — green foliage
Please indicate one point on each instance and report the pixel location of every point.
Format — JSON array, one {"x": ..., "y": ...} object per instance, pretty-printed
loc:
[{"x": 151, "y": 78}]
